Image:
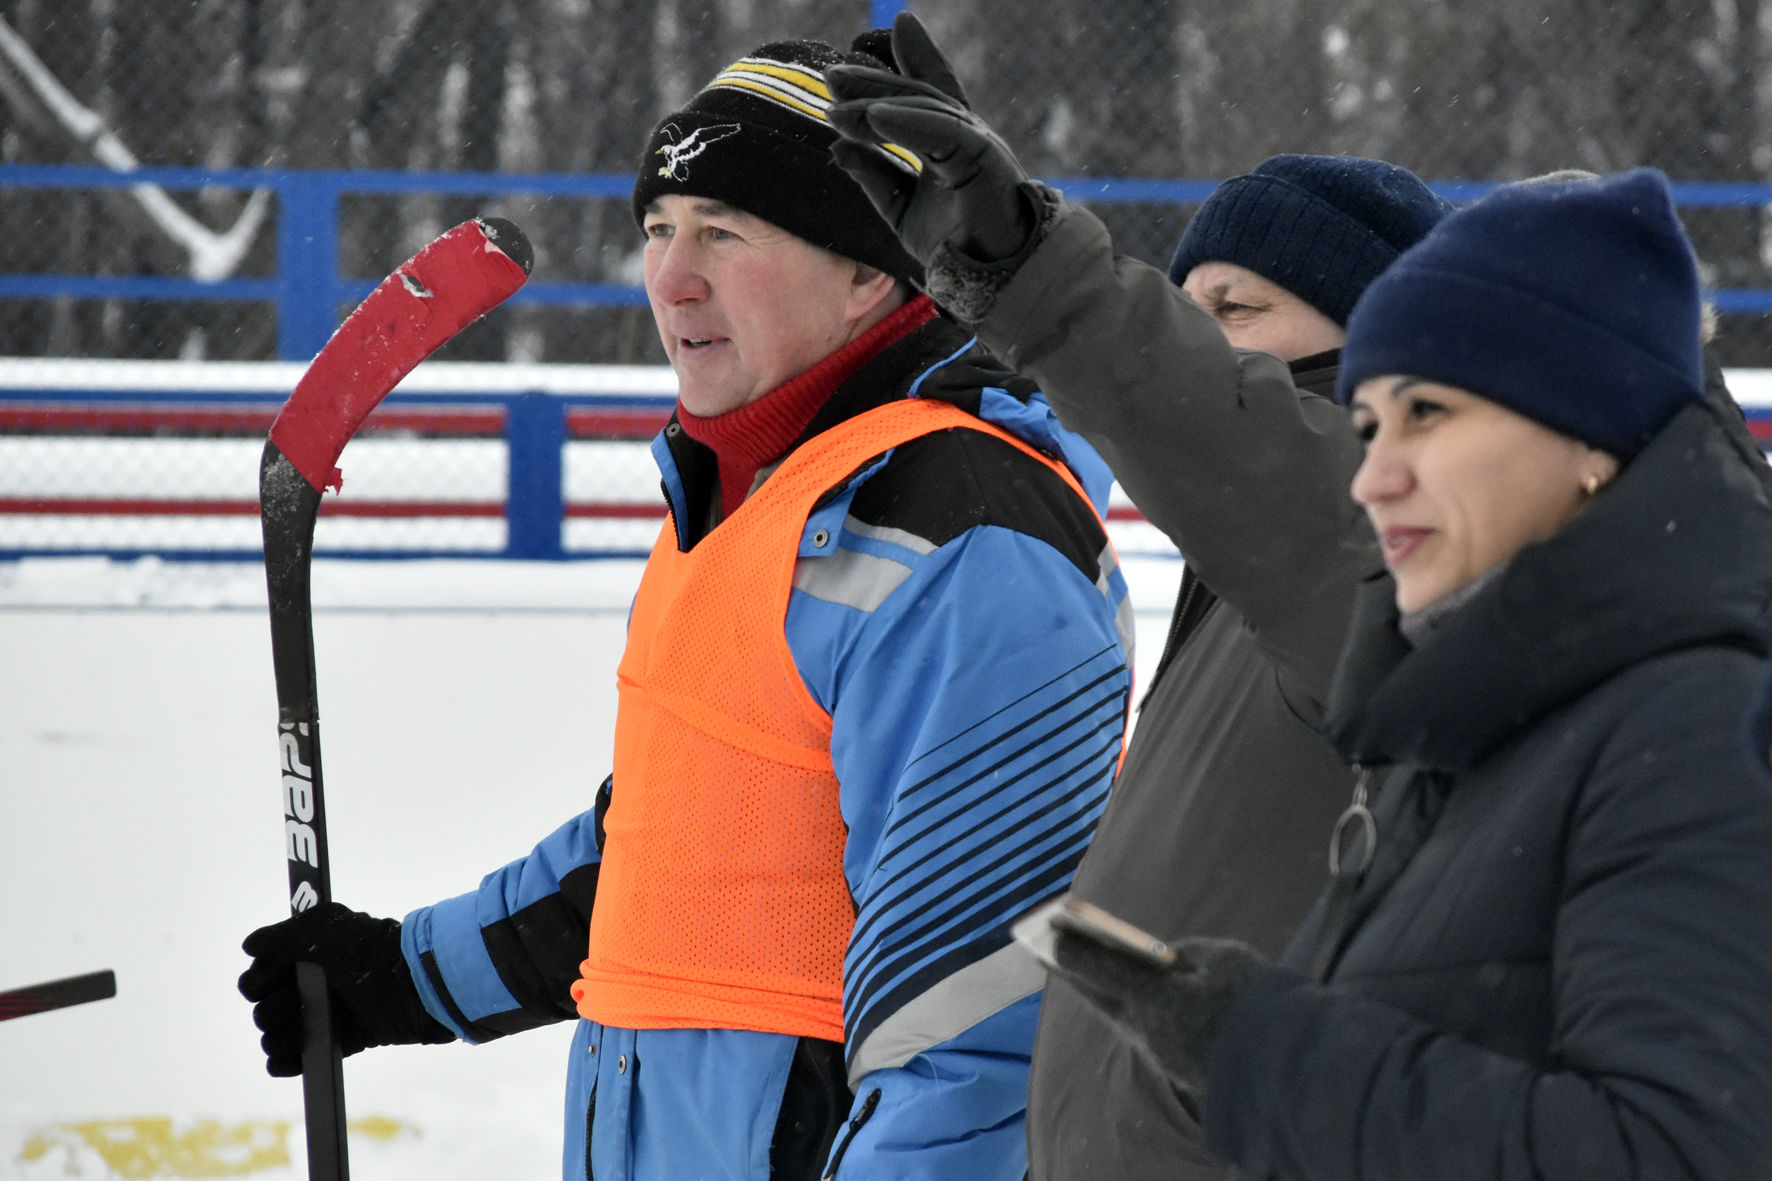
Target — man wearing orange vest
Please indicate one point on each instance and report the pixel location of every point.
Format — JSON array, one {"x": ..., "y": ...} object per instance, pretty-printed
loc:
[{"x": 873, "y": 695}]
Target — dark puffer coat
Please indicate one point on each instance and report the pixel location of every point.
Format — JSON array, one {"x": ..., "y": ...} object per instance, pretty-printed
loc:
[{"x": 1559, "y": 964}]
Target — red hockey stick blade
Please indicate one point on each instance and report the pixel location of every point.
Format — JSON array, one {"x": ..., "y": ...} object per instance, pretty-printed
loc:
[
  {"x": 429, "y": 298},
  {"x": 57, "y": 994}
]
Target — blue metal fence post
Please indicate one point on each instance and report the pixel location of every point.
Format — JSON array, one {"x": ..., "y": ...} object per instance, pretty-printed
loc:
[
  {"x": 307, "y": 264},
  {"x": 882, "y": 12},
  {"x": 535, "y": 509}
]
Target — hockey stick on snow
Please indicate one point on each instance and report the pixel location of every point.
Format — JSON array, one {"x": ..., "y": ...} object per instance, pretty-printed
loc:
[
  {"x": 429, "y": 298},
  {"x": 57, "y": 994}
]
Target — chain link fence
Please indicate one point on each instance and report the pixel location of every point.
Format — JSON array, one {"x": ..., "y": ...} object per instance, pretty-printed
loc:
[
  {"x": 1137, "y": 88},
  {"x": 1082, "y": 89}
]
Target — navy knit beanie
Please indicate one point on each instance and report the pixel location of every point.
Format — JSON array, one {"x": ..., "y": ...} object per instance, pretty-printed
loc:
[
  {"x": 1574, "y": 304},
  {"x": 757, "y": 138},
  {"x": 1322, "y": 227}
]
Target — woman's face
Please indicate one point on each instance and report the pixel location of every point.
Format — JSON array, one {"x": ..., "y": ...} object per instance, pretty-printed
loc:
[{"x": 1455, "y": 483}]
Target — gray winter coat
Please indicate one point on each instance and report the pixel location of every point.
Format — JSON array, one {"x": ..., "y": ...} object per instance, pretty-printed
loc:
[
  {"x": 1219, "y": 821},
  {"x": 1559, "y": 964}
]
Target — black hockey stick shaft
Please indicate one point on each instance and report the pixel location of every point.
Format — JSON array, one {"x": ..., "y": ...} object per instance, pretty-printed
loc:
[
  {"x": 432, "y": 296},
  {"x": 57, "y": 994},
  {"x": 289, "y": 517}
]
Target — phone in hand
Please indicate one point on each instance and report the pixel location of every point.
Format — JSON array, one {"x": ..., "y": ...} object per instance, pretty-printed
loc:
[{"x": 1038, "y": 932}]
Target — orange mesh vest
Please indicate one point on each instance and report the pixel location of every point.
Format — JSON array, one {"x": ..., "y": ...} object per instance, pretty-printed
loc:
[{"x": 721, "y": 902}]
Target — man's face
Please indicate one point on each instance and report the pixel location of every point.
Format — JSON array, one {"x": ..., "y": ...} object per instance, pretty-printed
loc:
[
  {"x": 741, "y": 304},
  {"x": 1258, "y": 314}
]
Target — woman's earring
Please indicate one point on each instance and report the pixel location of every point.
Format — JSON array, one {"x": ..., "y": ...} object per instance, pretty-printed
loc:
[{"x": 1591, "y": 485}]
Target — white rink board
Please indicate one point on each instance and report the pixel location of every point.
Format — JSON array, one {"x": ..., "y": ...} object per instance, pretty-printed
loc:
[
  {"x": 467, "y": 709},
  {"x": 142, "y": 834}
]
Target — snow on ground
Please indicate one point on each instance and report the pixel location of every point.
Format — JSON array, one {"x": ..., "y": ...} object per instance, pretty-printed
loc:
[{"x": 466, "y": 709}]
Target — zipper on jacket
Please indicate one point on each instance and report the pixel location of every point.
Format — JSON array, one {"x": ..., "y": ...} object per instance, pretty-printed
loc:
[
  {"x": 1355, "y": 824},
  {"x": 1355, "y": 820},
  {"x": 1361, "y": 881},
  {"x": 855, "y": 1123},
  {"x": 590, "y": 1118}
]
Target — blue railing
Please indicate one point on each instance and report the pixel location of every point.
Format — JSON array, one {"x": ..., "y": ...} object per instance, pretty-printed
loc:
[
  {"x": 309, "y": 287},
  {"x": 309, "y": 290}
]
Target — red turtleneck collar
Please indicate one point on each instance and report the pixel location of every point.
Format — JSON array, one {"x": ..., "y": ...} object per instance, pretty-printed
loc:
[{"x": 756, "y": 434}]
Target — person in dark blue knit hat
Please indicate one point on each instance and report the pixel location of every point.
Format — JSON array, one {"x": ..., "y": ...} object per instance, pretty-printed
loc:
[
  {"x": 1242, "y": 458},
  {"x": 1548, "y": 949},
  {"x": 1604, "y": 346},
  {"x": 1321, "y": 227}
]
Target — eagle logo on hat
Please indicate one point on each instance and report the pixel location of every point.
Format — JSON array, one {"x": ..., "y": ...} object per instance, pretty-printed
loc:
[{"x": 678, "y": 155}]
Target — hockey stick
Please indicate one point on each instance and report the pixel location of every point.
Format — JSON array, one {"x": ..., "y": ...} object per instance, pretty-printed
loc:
[
  {"x": 57, "y": 994},
  {"x": 429, "y": 298}
]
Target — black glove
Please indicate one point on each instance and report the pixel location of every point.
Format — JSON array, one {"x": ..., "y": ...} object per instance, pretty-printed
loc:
[
  {"x": 374, "y": 1002},
  {"x": 1171, "y": 1014},
  {"x": 972, "y": 196}
]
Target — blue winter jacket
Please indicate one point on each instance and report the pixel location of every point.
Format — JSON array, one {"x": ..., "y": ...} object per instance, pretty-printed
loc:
[{"x": 970, "y": 636}]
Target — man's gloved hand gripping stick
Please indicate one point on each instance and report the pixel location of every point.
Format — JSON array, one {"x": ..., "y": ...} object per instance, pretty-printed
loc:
[{"x": 432, "y": 296}]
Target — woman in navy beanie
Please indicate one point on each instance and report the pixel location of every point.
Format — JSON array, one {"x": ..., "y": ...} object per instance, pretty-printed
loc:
[
  {"x": 1548, "y": 950},
  {"x": 1574, "y": 304}
]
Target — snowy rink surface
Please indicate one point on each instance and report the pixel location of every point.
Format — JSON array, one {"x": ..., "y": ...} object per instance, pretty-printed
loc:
[{"x": 466, "y": 710}]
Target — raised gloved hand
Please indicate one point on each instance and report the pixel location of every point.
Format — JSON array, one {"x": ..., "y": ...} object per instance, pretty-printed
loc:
[
  {"x": 972, "y": 195},
  {"x": 1172, "y": 1014},
  {"x": 374, "y": 1001}
]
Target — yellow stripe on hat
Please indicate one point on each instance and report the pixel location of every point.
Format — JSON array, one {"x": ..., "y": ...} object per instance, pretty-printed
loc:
[
  {"x": 909, "y": 159},
  {"x": 808, "y": 80},
  {"x": 779, "y": 96},
  {"x": 796, "y": 88}
]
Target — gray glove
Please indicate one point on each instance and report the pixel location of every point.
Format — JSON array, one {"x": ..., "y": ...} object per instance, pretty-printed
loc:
[
  {"x": 1171, "y": 1014},
  {"x": 972, "y": 196}
]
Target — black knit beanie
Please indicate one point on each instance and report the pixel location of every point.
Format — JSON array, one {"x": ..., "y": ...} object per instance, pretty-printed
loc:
[
  {"x": 1322, "y": 227},
  {"x": 1575, "y": 304},
  {"x": 757, "y": 138}
]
